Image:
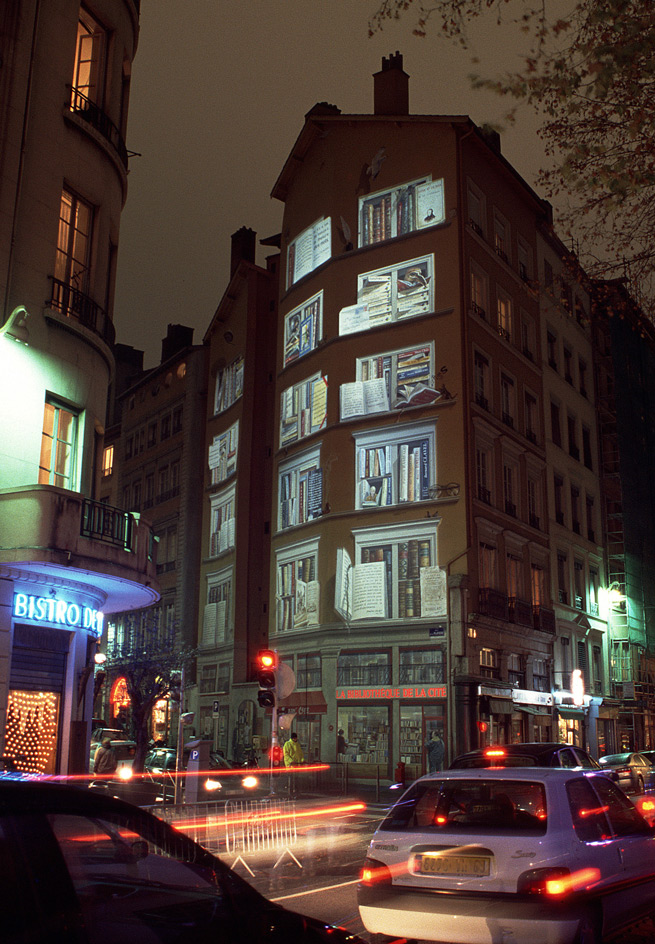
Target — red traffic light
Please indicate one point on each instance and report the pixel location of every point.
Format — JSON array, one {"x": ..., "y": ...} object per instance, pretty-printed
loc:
[
  {"x": 266, "y": 659},
  {"x": 482, "y": 726}
]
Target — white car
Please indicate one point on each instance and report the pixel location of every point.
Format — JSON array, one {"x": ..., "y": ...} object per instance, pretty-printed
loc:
[{"x": 483, "y": 856}]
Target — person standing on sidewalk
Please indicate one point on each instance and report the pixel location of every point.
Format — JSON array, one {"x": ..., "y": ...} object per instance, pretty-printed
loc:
[{"x": 293, "y": 757}]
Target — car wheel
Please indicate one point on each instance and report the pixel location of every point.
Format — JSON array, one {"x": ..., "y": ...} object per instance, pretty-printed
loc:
[{"x": 588, "y": 930}]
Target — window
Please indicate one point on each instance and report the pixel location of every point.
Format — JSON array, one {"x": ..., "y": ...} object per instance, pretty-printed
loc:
[
  {"x": 297, "y": 586},
  {"x": 562, "y": 578},
  {"x": 167, "y": 550},
  {"x": 488, "y": 663},
  {"x": 540, "y": 679},
  {"x": 389, "y": 213},
  {"x": 152, "y": 434},
  {"x": 504, "y": 312},
  {"x": 571, "y": 425},
  {"x": 303, "y": 409},
  {"x": 515, "y": 670},
  {"x": 558, "y": 489},
  {"x": 229, "y": 385},
  {"x": 165, "y": 427},
  {"x": 537, "y": 584},
  {"x": 582, "y": 376},
  {"x": 308, "y": 672},
  {"x": 176, "y": 420},
  {"x": 555, "y": 427},
  {"x": 548, "y": 274},
  {"x": 397, "y": 379},
  {"x": 73, "y": 248},
  {"x": 507, "y": 399},
  {"x": 394, "y": 465},
  {"x": 477, "y": 209},
  {"x": 568, "y": 365},
  {"x": 566, "y": 661},
  {"x": 589, "y": 509},
  {"x": 488, "y": 565},
  {"x": 514, "y": 582},
  {"x": 223, "y": 454},
  {"x": 300, "y": 489},
  {"x": 303, "y": 329},
  {"x": 551, "y": 346},
  {"x": 309, "y": 250},
  {"x": 501, "y": 236},
  {"x": 88, "y": 72},
  {"x": 135, "y": 504},
  {"x": 393, "y": 293},
  {"x": 483, "y": 464},
  {"x": 582, "y": 658},
  {"x": 534, "y": 501},
  {"x": 586, "y": 447},
  {"x": 217, "y": 617},
  {"x": 149, "y": 492},
  {"x": 481, "y": 380},
  {"x": 58, "y": 459},
  {"x": 525, "y": 260},
  {"x": 208, "y": 678},
  {"x": 593, "y": 591},
  {"x": 479, "y": 291},
  {"x": 510, "y": 476},
  {"x": 575, "y": 509},
  {"x": 421, "y": 667},
  {"x": 531, "y": 418},
  {"x": 107, "y": 460},
  {"x": 578, "y": 585},
  {"x": 527, "y": 336},
  {"x": 597, "y": 668},
  {"x": 364, "y": 668},
  {"x": 223, "y": 521}
]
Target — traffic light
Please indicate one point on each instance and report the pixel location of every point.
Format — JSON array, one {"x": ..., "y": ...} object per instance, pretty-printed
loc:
[{"x": 267, "y": 677}]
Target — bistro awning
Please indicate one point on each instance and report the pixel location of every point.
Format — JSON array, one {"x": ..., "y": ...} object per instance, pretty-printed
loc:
[
  {"x": 500, "y": 706},
  {"x": 533, "y": 709},
  {"x": 571, "y": 714}
]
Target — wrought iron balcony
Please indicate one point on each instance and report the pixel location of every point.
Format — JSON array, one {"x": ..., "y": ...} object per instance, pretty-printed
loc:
[
  {"x": 492, "y": 603},
  {"x": 102, "y": 522},
  {"x": 544, "y": 619},
  {"x": 96, "y": 117},
  {"x": 520, "y": 611},
  {"x": 76, "y": 305}
]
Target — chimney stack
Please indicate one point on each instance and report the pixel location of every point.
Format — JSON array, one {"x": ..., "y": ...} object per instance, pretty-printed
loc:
[
  {"x": 391, "y": 87},
  {"x": 243, "y": 248}
]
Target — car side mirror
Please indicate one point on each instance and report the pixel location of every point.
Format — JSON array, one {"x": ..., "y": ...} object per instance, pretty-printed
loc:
[{"x": 140, "y": 849}]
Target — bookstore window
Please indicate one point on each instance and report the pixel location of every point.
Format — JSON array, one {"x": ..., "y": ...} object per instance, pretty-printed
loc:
[
  {"x": 223, "y": 521},
  {"x": 366, "y": 731},
  {"x": 303, "y": 409},
  {"x": 507, "y": 400},
  {"x": 303, "y": 328},
  {"x": 477, "y": 209},
  {"x": 488, "y": 554},
  {"x": 479, "y": 291},
  {"x": 489, "y": 663},
  {"x": 217, "y": 616},
  {"x": 58, "y": 458},
  {"x": 421, "y": 667},
  {"x": 395, "y": 575},
  {"x": 308, "y": 672},
  {"x": 481, "y": 380},
  {"x": 300, "y": 489},
  {"x": 223, "y": 454},
  {"x": 394, "y": 465},
  {"x": 229, "y": 385},
  {"x": 297, "y": 586},
  {"x": 504, "y": 314},
  {"x": 501, "y": 236},
  {"x": 208, "y": 678},
  {"x": 309, "y": 250},
  {"x": 364, "y": 669},
  {"x": 393, "y": 293},
  {"x": 389, "y": 213},
  {"x": 107, "y": 460},
  {"x": 483, "y": 467},
  {"x": 390, "y": 381},
  {"x": 417, "y": 725}
]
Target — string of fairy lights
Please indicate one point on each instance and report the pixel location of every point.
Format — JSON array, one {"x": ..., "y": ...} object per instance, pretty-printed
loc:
[{"x": 31, "y": 732}]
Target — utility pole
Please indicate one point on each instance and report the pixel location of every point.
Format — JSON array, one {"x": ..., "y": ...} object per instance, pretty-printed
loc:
[{"x": 179, "y": 755}]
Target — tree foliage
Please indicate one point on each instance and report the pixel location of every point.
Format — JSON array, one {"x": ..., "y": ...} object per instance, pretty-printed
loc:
[
  {"x": 147, "y": 656},
  {"x": 589, "y": 71}
]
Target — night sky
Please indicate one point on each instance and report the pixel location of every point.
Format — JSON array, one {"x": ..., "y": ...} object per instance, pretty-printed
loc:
[{"x": 219, "y": 93}]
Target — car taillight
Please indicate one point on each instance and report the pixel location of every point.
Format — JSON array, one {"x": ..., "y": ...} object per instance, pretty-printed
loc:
[
  {"x": 556, "y": 882},
  {"x": 494, "y": 752},
  {"x": 374, "y": 873},
  {"x": 622, "y": 770}
]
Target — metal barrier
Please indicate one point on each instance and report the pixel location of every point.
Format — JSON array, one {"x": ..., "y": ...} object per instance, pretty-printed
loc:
[{"x": 260, "y": 825}]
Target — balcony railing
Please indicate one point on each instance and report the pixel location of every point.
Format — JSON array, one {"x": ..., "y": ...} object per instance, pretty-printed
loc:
[
  {"x": 421, "y": 674},
  {"x": 492, "y": 603},
  {"x": 544, "y": 619},
  {"x": 520, "y": 611},
  {"x": 96, "y": 117},
  {"x": 75, "y": 304},
  {"x": 484, "y": 495},
  {"x": 102, "y": 522}
]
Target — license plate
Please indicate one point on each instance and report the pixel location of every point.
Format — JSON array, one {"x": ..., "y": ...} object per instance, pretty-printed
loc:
[{"x": 453, "y": 865}]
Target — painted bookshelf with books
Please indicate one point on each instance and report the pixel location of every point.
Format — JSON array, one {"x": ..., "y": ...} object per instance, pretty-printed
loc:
[
  {"x": 297, "y": 593},
  {"x": 393, "y": 293},
  {"x": 302, "y": 328},
  {"x": 403, "y": 209},
  {"x": 398, "y": 471},
  {"x": 303, "y": 409}
]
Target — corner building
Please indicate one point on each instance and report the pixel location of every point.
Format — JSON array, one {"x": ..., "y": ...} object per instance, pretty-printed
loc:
[{"x": 410, "y": 560}]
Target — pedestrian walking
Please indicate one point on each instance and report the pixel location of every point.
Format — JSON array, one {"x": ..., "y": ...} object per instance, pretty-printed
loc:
[
  {"x": 436, "y": 750},
  {"x": 293, "y": 757}
]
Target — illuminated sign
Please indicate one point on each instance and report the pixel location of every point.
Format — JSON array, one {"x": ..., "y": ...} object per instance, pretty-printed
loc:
[
  {"x": 62, "y": 612},
  {"x": 436, "y": 692}
]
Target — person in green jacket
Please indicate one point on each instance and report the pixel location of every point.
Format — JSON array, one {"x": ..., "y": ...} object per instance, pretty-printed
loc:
[{"x": 293, "y": 757}]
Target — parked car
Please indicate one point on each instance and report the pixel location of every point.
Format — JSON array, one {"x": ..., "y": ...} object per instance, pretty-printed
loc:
[
  {"x": 124, "y": 750},
  {"x": 89, "y": 869},
  {"x": 222, "y": 780},
  {"x": 537, "y": 754},
  {"x": 649, "y": 755},
  {"x": 114, "y": 734},
  {"x": 634, "y": 772},
  {"x": 527, "y": 854}
]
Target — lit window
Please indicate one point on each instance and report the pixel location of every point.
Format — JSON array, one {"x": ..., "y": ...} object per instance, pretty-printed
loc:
[
  {"x": 73, "y": 251},
  {"x": 57, "y": 464},
  {"x": 89, "y": 62},
  {"x": 108, "y": 460}
]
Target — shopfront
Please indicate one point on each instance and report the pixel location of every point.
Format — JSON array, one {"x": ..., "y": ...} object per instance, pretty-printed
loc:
[
  {"x": 304, "y": 712},
  {"x": 515, "y": 715}
]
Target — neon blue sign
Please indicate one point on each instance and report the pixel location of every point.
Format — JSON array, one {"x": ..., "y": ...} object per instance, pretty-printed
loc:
[{"x": 62, "y": 612}]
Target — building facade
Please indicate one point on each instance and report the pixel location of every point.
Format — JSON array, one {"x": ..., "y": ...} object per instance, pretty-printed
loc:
[{"x": 66, "y": 559}]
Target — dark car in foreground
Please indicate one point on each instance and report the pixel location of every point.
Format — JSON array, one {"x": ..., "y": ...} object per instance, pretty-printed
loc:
[
  {"x": 80, "y": 868},
  {"x": 522, "y": 854},
  {"x": 535, "y": 754},
  {"x": 633, "y": 771}
]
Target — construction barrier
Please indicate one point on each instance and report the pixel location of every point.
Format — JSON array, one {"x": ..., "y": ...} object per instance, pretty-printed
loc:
[{"x": 260, "y": 825}]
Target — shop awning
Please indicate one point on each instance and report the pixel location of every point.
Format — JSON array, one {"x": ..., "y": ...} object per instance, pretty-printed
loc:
[
  {"x": 304, "y": 703},
  {"x": 500, "y": 706},
  {"x": 571, "y": 714},
  {"x": 533, "y": 709}
]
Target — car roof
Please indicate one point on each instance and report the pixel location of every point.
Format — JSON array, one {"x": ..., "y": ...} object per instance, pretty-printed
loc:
[
  {"x": 534, "y": 748},
  {"x": 45, "y": 796},
  {"x": 510, "y": 773}
]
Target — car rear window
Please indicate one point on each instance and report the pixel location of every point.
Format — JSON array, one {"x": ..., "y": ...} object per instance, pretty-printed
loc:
[{"x": 470, "y": 806}]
